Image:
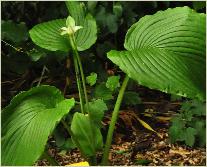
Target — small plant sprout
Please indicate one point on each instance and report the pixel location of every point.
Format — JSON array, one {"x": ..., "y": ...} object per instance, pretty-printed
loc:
[{"x": 70, "y": 28}]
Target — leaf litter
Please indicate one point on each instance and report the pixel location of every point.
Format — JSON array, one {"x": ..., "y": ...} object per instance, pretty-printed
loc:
[{"x": 146, "y": 149}]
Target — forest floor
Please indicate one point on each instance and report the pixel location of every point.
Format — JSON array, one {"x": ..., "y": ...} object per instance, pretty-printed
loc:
[
  {"x": 150, "y": 149},
  {"x": 132, "y": 144},
  {"x": 135, "y": 145}
]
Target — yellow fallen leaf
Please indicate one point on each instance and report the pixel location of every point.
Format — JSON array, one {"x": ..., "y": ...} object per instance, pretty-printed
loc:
[
  {"x": 85, "y": 163},
  {"x": 147, "y": 126}
]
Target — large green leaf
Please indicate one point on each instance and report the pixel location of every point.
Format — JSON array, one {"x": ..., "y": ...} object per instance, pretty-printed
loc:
[
  {"x": 47, "y": 35},
  {"x": 86, "y": 36},
  {"x": 28, "y": 121},
  {"x": 166, "y": 51},
  {"x": 88, "y": 135}
]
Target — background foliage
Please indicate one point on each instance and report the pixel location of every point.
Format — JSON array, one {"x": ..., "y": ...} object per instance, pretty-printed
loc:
[{"x": 23, "y": 62}]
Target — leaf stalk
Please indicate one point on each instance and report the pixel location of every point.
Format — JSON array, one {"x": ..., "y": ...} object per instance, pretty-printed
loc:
[{"x": 113, "y": 121}]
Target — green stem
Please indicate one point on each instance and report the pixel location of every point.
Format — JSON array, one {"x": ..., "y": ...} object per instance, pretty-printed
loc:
[
  {"x": 113, "y": 121},
  {"x": 51, "y": 160},
  {"x": 92, "y": 159},
  {"x": 81, "y": 72},
  {"x": 77, "y": 72},
  {"x": 83, "y": 82}
]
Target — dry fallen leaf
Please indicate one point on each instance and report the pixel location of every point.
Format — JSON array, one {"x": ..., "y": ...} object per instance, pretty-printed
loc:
[{"x": 180, "y": 152}]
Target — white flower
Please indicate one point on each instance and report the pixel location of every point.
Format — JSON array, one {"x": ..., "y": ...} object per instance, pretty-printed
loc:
[{"x": 70, "y": 28}]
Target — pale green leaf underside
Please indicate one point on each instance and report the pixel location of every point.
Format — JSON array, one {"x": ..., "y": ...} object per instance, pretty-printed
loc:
[
  {"x": 166, "y": 51},
  {"x": 28, "y": 121}
]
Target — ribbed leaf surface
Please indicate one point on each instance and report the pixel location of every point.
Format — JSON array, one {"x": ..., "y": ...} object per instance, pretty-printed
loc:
[
  {"x": 166, "y": 51},
  {"x": 47, "y": 35},
  {"x": 28, "y": 121},
  {"x": 76, "y": 10},
  {"x": 86, "y": 36}
]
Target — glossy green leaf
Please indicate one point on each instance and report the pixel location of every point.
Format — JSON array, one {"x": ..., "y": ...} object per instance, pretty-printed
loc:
[
  {"x": 166, "y": 51},
  {"x": 88, "y": 135},
  {"x": 28, "y": 121},
  {"x": 86, "y": 36},
  {"x": 47, "y": 35}
]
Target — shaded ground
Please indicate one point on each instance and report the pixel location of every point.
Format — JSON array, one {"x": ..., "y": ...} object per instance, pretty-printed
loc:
[
  {"x": 132, "y": 144},
  {"x": 146, "y": 149}
]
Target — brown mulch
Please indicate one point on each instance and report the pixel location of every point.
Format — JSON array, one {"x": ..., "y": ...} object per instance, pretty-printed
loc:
[{"x": 146, "y": 149}]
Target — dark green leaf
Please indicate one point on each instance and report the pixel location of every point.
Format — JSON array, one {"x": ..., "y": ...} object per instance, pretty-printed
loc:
[
  {"x": 117, "y": 9},
  {"x": 189, "y": 135},
  {"x": 69, "y": 144},
  {"x": 198, "y": 108},
  {"x": 91, "y": 5},
  {"x": 36, "y": 54},
  {"x": 102, "y": 92},
  {"x": 14, "y": 32},
  {"x": 199, "y": 5},
  {"x": 131, "y": 98},
  {"x": 176, "y": 130},
  {"x": 112, "y": 23},
  {"x": 59, "y": 137},
  {"x": 200, "y": 126}
]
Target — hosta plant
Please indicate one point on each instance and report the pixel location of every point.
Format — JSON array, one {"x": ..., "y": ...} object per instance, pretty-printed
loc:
[{"x": 164, "y": 51}]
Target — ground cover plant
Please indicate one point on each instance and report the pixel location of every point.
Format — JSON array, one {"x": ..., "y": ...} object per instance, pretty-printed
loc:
[{"x": 162, "y": 50}]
